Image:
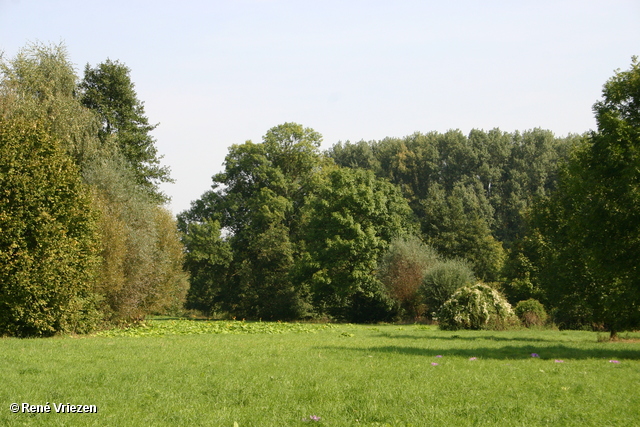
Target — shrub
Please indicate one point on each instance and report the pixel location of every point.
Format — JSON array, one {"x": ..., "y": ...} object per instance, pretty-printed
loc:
[
  {"x": 442, "y": 280},
  {"x": 476, "y": 307},
  {"x": 47, "y": 236},
  {"x": 531, "y": 313},
  {"x": 402, "y": 270}
]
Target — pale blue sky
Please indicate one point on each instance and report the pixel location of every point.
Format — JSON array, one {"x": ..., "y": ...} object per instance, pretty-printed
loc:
[{"x": 216, "y": 73}]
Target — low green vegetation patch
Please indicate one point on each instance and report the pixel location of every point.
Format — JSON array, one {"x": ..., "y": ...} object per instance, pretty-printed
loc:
[
  {"x": 201, "y": 373},
  {"x": 191, "y": 327}
]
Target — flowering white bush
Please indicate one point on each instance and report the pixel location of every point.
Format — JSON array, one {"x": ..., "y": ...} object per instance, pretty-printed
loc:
[{"x": 476, "y": 307}]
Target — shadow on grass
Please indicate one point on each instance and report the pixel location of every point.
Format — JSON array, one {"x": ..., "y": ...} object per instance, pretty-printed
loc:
[
  {"x": 467, "y": 338},
  {"x": 548, "y": 352}
]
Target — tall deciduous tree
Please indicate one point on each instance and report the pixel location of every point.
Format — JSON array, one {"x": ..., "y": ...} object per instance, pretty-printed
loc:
[
  {"x": 258, "y": 201},
  {"x": 591, "y": 226},
  {"x": 351, "y": 221},
  {"x": 139, "y": 250},
  {"x": 469, "y": 192},
  {"x": 208, "y": 256},
  {"x": 455, "y": 226},
  {"x": 40, "y": 84}
]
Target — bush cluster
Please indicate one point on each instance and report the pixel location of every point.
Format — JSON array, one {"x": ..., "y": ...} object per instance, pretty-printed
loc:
[
  {"x": 418, "y": 279},
  {"x": 402, "y": 270}
]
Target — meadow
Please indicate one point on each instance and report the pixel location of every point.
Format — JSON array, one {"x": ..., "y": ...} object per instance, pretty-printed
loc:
[{"x": 233, "y": 373}]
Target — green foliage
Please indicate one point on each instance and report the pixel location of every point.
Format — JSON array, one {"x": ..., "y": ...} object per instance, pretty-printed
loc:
[
  {"x": 476, "y": 307},
  {"x": 358, "y": 155},
  {"x": 303, "y": 237},
  {"x": 47, "y": 236},
  {"x": 208, "y": 257},
  {"x": 512, "y": 169},
  {"x": 39, "y": 85},
  {"x": 189, "y": 327},
  {"x": 442, "y": 280},
  {"x": 293, "y": 149},
  {"x": 531, "y": 313},
  {"x": 470, "y": 193},
  {"x": 351, "y": 221},
  {"x": 108, "y": 90},
  {"x": 456, "y": 227},
  {"x": 402, "y": 270},
  {"x": 590, "y": 228},
  {"x": 258, "y": 200},
  {"x": 281, "y": 202},
  {"x": 140, "y": 255},
  {"x": 521, "y": 270},
  {"x": 170, "y": 282}
]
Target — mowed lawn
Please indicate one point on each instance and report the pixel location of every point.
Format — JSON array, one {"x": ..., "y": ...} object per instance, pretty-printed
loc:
[{"x": 196, "y": 373}]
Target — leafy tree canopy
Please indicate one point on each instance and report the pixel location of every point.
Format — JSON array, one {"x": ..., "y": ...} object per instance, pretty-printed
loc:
[{"x": 590, "y": 228}]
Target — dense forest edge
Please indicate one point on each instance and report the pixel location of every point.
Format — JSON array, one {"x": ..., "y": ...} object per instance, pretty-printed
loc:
[{"x": 486, "y": 230}]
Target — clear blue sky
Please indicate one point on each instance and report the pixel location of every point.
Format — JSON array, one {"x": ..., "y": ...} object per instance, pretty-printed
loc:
[{"x": 216, "y": 73}]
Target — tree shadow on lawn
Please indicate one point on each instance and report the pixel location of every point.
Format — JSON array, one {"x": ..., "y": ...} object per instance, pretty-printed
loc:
[
  {"x": 561, "y": 352},
  {"x": 468, "y": 338}
]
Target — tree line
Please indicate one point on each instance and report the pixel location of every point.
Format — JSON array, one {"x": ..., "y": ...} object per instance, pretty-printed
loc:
[
  {"x": 390, "y": 229},
  {"x": 353, "y": 233},
  {"x": 363, "y": 232}
]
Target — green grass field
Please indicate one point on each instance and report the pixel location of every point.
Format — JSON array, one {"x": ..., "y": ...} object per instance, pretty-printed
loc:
[{"x": 196, "y": 373}]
